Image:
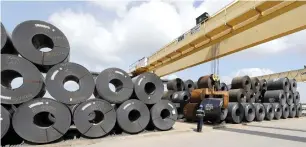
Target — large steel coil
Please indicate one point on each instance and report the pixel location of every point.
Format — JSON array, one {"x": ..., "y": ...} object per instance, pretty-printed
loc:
[
  {"x": 120, "y": 80},
  {"x": 59, "y": 74},
  {"x": 163, "y": 115},
  {"x": 32, "y": 120},
  {"x": 6, "y": 42},
  {"x": 296, "y": 97},
  {"x": 213, "y": 109},
  {"x": 278, "y": 84},
  {"x": 270, "y": 112},
  {"x": 190, "y": 85},
  {"x": 208, "y": 82},
  {"x": 275, "y": 96},
  {"x": 5, "y": 121},
  {"x": 176, "y": 84},
  {"x": 94, "y": 118},
  {"x": 148, "y": 88},
  {"x": 285, "y": 111},
  {"x": 168, "y": 95},
  {"x": 243, "y": 82},
  {"x": 259, "y": 111},
  {"x": 299, "y": 110},
  {"x": 237, "y": 95},
  {"x": 235, "y": 113},
  {"x": 292, "y": 111},
  {"x": 32, "y": 86},
  {"x": 133, "y": 116},
  {"x": 223, "y": 87},
  {"x": 289, "y": 98},
  {"x": 249, "y": 112},
  {"x": 255, "y": 84},
  {"x": 277, "y": 111},
  {"x": 196, "y": 96},
  {"x": 293, "y": 85},
  {"x": 180, "y": 96},
  {"x": 250, "y": 97},
  {"x": 190, "y": 111},
  {"x": 31, "y": 36},
  {"x": 263, "y": 85}
]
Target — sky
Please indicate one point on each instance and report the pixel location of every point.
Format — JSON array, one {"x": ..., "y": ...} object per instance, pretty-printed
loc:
[{"x": 105, "y": 34}]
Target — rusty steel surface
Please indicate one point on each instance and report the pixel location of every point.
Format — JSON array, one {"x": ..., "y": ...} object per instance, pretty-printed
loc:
[
  {"x": 198, "y": 95},
  {"x": 190, "y": 111}
]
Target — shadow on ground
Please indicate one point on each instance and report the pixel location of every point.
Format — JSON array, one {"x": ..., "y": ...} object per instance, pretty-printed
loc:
[
  {"x": 265, "y": 134},
  {"x": 298, "y": 130}
]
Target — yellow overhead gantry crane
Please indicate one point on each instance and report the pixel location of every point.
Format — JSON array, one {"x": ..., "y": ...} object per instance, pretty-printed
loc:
[
  {"x": 299, "y": 75},
  {"x": 238, "y": 26}
]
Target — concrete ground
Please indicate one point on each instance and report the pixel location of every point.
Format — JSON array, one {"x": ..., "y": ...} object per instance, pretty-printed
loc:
[{"x": 280, "y": 133}]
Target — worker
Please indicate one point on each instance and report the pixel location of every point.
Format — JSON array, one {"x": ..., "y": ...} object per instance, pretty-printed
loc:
[{"x": 200, "y": 114}]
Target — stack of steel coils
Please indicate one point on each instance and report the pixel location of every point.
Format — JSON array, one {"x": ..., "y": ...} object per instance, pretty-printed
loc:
[
  {"x": 250, "y": 99},
  {"x": 178, "y": 91},
  {"x": 282, "y": 94},
  {"x": 133, "y": 104},
  {"x": 263, "y": 100}
]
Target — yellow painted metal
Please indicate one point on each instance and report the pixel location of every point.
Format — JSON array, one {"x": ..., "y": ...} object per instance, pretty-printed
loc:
[
  {"x": 298, "y": 75},
  {"x": 268, "y": 30},
  {"x": 241, "y": 20}
]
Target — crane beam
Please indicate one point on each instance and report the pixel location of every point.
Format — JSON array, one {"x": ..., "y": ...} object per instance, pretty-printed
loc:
[
  {"x": 299, "y": 75},
  {"x": 291, "y": 22},
  {"x": 241, "y": 25}
]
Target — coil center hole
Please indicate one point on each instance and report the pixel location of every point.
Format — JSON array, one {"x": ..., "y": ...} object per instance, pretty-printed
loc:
[
  {"x": 134, "y": 115},
  {"x": 278, "y": 110},
  {"x": 42, "y": 42},
  {"x": 44, "y": 119},
  {"x": 71, "y": 83},
  {"x": 242, "y": 96},
  {"x": 282, "y": 96},
  {"x": 286, "y": 109},
  {"x": 270, "y": 110},
  {"x": 189, "y": 86},
  {"x": 165, "y": 113},
  {"x": 260, "y": 111},
  {"x": 179, "y": 86},
  {"x": 237, "y": 112},
  {"x": 223, "y": 88},
  {"x": 250, "y": 111},
  {"x": 149, "y": 88},
  {"x": 185, "y": 98},
  {"x": 115, "y": 85},
  {"x": 256, "y": 84},
  {"x": 95, "y": 117},
  {"x": 11, "y": 79},
  {"x": 246, "y": 82}
]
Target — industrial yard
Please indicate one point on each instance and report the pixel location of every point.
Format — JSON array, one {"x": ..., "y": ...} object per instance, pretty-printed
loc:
[
  {"x": 136, "y": 105},
  {"x": 282, "y": 133}
]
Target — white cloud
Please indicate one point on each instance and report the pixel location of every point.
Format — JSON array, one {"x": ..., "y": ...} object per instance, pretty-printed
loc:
[
  {"x": 118, "y": 6},
  {"x": 138, "y": 31},
  {"x": 290, "y": 42}
]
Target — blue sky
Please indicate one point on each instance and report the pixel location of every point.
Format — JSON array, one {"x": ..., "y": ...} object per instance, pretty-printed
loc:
[{"x": 112, "y": 19}]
